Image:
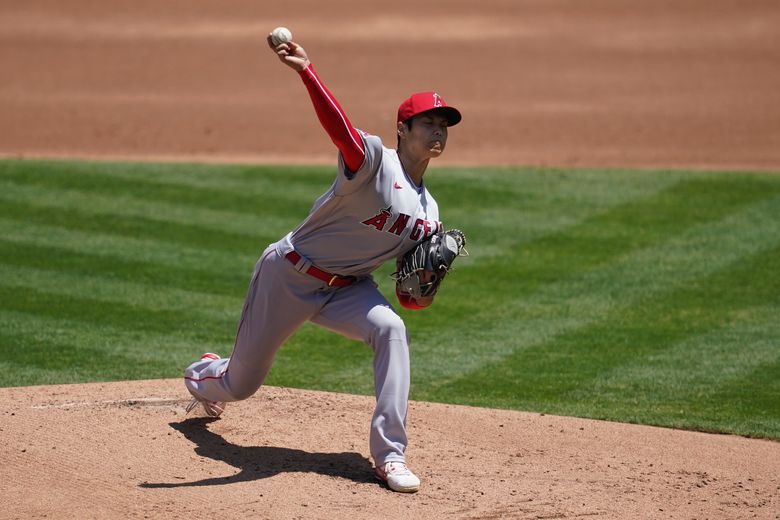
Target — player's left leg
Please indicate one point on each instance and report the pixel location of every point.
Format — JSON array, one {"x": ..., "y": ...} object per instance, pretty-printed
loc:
[{"x": 361, "y": 312}]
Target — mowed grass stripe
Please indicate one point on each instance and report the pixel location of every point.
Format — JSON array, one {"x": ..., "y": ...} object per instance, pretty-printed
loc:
[
  {"x": 187, "y": 235},
  {"x": 109, "y": 291},
  {"x": 50, "y": 362},
  {"x": 137, "y": 249},
  {"x": 39, "y": 345},
  {"x": 521, "y": 316},
  {"x": 694, "y": 380},
  {"x": 502, "y": 209},
  {"x": 634, "y": 225},
  {"x": 22, "y": 375},
  {"x": 65, "y": 260},
  {"x": 292, "y": 182},
  {"x": 579, "y": 193},
  {"x": 91, "y": 311},
  {"x": 753, "y": 402},
  {"x": 127, "y": 216},
  {"x": 74, "y": 362},
  {"x": 96, "y": 178},
  {"x": 558, "y": 376},
  {"x": 140, "y": 343}
]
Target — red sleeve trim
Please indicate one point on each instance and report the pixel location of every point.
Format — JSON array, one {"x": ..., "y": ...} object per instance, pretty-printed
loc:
[
  {"x": 406, "y": 301},
  {"x": 346, "y": 138}
]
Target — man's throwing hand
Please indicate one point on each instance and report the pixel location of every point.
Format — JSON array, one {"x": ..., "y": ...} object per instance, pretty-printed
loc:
[{"x": 290, "y": 53}]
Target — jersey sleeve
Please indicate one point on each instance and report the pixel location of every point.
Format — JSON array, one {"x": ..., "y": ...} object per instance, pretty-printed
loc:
[
  {"x": 334, "y": 120},
  {"x": 349, "y": 181}
]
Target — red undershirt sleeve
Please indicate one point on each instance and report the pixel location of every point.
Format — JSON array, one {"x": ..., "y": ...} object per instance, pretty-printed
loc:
[{"x": 334, "y": 121}]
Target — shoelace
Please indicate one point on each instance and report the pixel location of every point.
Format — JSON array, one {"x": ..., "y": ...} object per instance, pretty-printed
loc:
[{"x": 397, "y": 468}]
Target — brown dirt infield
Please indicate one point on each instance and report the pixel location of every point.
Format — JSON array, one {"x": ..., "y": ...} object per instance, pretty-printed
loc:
[
  {"x": 113, "y": 450},
  {"x": 659, "y": 83},
  {"x": 646, "y": 83}
]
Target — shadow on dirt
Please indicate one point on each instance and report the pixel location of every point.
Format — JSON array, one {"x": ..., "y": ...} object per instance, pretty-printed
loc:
[{"x": 258, "y": 462}]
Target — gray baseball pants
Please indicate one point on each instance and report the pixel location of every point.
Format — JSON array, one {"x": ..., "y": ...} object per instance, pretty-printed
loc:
[{"x": 279, "y": 300}]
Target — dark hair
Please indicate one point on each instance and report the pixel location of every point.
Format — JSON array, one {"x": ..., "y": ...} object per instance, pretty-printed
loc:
[{"x": 408, "y": 123}]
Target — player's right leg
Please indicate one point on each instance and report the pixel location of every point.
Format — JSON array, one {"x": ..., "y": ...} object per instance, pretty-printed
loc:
[{"x": 279, "y": 300}]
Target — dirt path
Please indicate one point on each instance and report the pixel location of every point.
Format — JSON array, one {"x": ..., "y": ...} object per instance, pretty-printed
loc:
[
  {"x": 127, "y": 449},
  {"x": 560, "y": 82}
]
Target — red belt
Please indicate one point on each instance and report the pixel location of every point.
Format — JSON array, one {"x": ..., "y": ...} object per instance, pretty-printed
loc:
[{"x": 333, "y": 280}]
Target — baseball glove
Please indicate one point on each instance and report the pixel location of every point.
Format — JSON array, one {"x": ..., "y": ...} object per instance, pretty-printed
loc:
[{"x": 421, "y": 270}]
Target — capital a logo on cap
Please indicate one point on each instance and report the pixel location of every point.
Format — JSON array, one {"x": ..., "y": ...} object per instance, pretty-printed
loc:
[{"x": 424, "y": 101}]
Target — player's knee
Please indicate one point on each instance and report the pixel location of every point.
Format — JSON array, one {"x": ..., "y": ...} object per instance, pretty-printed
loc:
[
  {"x": 390, "y": 327},
  {"x": 240, "y": 394},
  {"x": 243, "y": 391}
]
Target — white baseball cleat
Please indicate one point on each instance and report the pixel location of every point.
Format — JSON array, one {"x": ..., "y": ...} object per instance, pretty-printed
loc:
[
  {"x": 212, "y": 408},
  {"x": 398, "y": 477}
]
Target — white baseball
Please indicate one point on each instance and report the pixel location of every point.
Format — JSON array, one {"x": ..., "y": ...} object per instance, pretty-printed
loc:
[{"x": 281, "y": 35}]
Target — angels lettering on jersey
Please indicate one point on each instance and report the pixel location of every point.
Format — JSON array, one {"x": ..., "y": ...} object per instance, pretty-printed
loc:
[{"x": 421, "y": 229}]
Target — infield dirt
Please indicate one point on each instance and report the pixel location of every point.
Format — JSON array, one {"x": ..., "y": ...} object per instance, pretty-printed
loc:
[
  {"x": 659, "y": 83},
  {"x": 115, "y": 450},
  {"x": 559, "y": 82}
]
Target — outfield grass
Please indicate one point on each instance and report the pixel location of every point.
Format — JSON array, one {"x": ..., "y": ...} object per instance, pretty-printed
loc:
[{"x": 639, "y": 296}]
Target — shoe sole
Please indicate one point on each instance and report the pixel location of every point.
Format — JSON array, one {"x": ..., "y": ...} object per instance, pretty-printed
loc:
[{"x": 397, "y": 489}]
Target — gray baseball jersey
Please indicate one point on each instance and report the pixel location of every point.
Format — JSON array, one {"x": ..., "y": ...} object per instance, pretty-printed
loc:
[{"x": 365, "y": 218}]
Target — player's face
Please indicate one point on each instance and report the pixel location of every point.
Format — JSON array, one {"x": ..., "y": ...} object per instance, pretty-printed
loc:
[{"x": 428, "y": 135}]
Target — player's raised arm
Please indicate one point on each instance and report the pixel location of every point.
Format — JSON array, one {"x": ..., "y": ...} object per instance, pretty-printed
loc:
[{"x": 331, "y": 116}]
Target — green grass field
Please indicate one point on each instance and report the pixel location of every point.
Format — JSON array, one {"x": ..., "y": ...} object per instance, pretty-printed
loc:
[{"x": 637, "y": 296}]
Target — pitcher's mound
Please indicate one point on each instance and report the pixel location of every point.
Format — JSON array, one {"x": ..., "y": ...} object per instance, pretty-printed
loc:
[{"x": 119, "y": 450}]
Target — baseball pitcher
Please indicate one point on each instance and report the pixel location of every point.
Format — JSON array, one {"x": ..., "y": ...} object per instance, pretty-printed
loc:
[{"x": 377, "y": 209}]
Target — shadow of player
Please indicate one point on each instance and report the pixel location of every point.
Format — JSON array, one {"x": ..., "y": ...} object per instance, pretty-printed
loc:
[{"x": 258, "y": 462}]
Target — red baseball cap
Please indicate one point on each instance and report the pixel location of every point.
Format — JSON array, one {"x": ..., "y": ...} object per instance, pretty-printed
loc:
[{"x": 425, "y": 101}]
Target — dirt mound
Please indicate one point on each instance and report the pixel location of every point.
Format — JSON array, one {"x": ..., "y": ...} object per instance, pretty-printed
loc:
[{"x": 115, "y": 450}]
